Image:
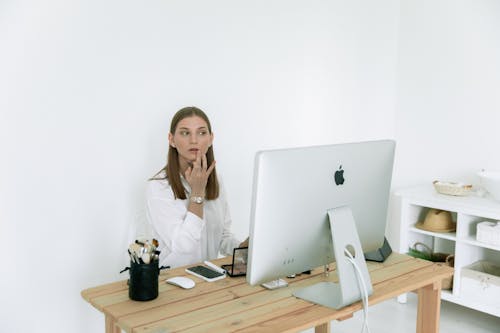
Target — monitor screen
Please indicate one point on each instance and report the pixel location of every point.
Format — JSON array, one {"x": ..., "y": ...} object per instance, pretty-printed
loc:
[{"x": 294, "y": 188}]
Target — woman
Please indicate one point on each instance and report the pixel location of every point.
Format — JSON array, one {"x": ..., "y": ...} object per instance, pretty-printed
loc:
[{"x": 186, "y": 203}]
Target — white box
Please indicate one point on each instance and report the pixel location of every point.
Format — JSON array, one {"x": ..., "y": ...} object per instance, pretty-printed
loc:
[
  {"x": 488, "y": 232},
  {"x": 481, "y": 282}
]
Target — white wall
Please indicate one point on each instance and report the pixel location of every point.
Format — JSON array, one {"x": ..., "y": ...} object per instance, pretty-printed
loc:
[
  {"x": 87, "y": 89},
  {"x": 448, "y": 90},
  {"x": 448, "y": 109}
]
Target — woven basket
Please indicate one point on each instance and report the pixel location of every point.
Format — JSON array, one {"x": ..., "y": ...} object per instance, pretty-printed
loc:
[
  {"x": 451, "y": 188},
  {"x": 448, "y": 282},
  {"x": 426, "y": 253}
]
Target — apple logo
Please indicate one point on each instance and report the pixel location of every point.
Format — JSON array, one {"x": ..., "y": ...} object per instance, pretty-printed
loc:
[{"x": 339, "y": 176}]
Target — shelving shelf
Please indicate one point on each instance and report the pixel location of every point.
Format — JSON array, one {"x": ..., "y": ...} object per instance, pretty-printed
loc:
[
  {"x": 448, "y": 235},
  {"x": 467, "y": 211}
]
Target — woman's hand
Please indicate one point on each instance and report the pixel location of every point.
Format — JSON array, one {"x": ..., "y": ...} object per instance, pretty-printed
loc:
[{"x": 197, "y": 174}]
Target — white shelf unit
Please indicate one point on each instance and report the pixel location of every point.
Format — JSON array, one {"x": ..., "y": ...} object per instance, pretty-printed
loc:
[{"x": 467, "y": 211}]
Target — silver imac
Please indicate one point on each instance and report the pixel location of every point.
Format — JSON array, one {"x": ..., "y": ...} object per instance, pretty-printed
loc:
[{"x": 306, "y": 200}]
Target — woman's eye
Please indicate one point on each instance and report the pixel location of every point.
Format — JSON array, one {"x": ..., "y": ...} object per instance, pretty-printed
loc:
[
  {"x": 202, "y": 132},
  {"x": 184, "y": 133}
]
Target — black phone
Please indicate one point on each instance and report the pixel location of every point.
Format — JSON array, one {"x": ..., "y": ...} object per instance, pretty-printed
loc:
[{"x": 205, "y": 273}]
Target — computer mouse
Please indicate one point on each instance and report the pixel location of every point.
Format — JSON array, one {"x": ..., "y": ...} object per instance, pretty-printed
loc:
[{"x": 181, "y": 281}]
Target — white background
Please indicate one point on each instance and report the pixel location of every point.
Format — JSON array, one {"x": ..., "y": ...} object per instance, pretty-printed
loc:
[{"x": 87, "y": 90}]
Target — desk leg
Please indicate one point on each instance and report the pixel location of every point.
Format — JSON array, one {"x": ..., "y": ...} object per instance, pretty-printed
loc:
[
  {"x": 323, "y": 328},
  {"x": 110, "y": 325},
  {"x": 429, "y": 307}
]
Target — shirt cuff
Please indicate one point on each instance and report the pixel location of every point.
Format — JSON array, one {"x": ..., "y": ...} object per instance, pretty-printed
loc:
[{"x": 194, "y": 225}]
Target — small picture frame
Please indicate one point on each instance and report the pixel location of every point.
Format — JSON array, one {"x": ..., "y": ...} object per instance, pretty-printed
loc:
[{"x": 239, "y": 265}]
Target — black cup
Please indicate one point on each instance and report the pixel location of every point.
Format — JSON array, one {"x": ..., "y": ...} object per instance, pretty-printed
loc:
[{"x": 143, "y": 282}]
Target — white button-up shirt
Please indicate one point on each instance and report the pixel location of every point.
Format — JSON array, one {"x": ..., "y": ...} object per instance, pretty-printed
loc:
[{"x": 183, "y": 237}]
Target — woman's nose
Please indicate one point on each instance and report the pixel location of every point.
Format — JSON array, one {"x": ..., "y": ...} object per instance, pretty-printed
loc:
[{"x": 193, "y": 138}]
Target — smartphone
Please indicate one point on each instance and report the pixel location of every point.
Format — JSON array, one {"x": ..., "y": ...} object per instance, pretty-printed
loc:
[{"x": 205, "y": 273}]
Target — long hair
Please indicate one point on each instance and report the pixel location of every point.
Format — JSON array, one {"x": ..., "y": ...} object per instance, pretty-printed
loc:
[{"x": 171, "y": 171}]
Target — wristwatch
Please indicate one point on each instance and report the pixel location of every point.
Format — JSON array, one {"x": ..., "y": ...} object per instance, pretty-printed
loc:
[{"x": 198, "y": 200}]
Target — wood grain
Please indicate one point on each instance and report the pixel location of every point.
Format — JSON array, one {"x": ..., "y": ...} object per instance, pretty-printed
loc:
[{"x": 231, "y": 304}]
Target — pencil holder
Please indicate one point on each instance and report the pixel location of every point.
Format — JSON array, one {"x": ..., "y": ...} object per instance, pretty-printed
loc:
[{"x": 143, "y": 282}]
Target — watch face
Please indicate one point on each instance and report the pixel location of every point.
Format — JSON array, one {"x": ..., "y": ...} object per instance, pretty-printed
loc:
[{"x": 197, "y": 200}]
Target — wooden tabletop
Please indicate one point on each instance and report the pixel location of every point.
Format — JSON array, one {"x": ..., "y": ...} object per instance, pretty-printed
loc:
[{"x": 231, "y": 304}]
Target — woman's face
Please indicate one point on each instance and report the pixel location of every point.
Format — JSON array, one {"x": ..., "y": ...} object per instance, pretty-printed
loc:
[{"x": 191, "y": 135}]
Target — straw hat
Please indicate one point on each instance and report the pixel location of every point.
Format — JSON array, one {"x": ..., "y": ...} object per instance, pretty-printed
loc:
[{"x": 437, "y": 221}]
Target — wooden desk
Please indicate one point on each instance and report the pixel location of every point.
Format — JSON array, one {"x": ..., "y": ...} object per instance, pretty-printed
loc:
[{"x": 231, "y": 304}]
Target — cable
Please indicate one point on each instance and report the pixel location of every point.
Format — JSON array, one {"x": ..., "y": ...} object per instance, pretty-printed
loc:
[
  {"x": 364, "y": 297},
  {"x": 363, "y": 290}
]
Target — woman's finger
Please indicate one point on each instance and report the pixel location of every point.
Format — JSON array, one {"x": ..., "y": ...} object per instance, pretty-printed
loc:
[
  {"x": 197, "y": 162},
  {"x": 211, "y": 168},
  {"x": 204, "y": 162}
]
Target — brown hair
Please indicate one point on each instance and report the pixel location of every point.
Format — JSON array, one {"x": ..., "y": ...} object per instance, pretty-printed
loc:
[{"x": 171, "y": 171}]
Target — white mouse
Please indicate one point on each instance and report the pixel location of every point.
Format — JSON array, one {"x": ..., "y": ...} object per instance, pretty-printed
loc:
[{"x": 181, "y": 281}]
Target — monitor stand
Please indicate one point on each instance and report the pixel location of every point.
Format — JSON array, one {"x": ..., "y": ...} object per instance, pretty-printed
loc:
[
  {"x": 347, "y": 290},
  {"x": 380, "y": 254}
]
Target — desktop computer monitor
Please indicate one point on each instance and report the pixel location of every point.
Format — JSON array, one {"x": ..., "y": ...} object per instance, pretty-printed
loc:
[{"x": 293, "y": 191}]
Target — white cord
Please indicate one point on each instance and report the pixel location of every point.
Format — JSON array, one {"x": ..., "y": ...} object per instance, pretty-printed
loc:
[
  {"x": 363, "y": 290},
  {"x": 364, "y": 295}
]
